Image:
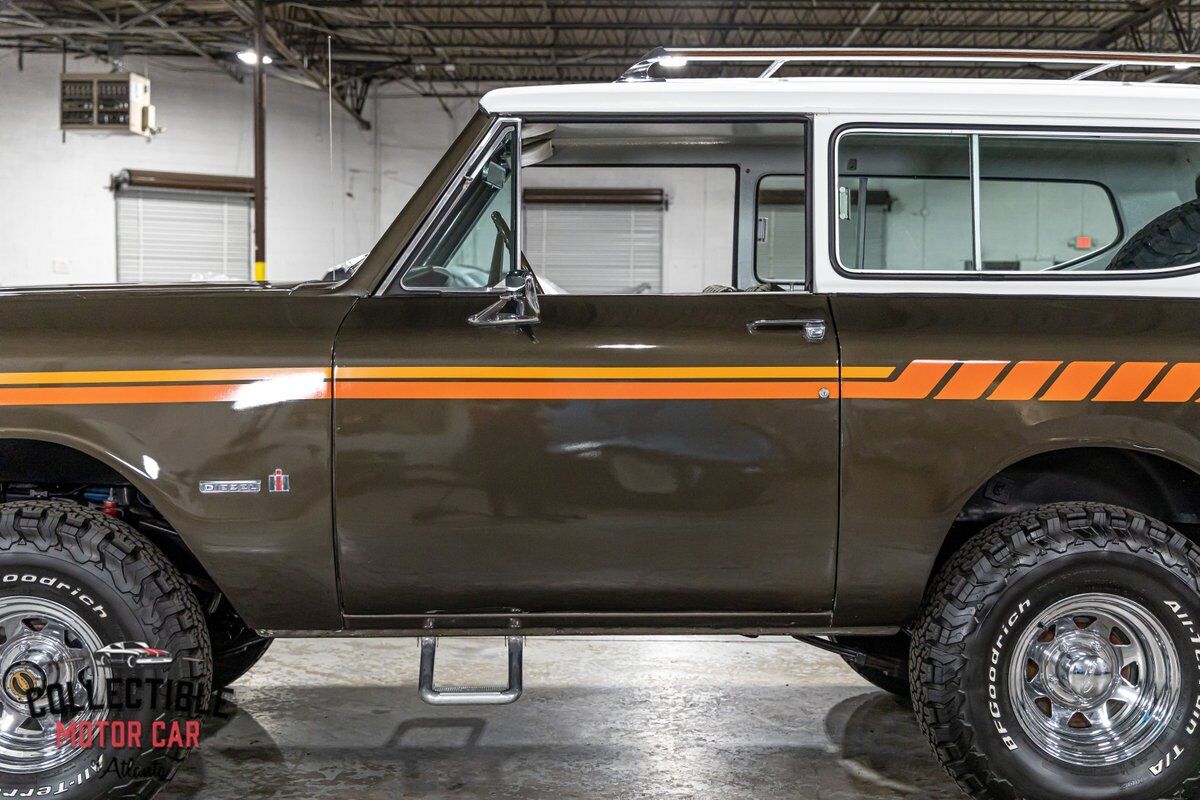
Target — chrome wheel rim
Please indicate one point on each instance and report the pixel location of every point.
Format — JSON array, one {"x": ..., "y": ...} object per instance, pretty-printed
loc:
[
  {"x": 1095, "y": 679},
  {"x": 44, "y": 643}
]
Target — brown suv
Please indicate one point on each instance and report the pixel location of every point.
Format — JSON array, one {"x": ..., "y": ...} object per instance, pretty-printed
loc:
[{"x": 907, "y": 369}]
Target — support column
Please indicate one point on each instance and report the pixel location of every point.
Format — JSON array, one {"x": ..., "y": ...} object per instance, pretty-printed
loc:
[{"x": 260, "y": 147}]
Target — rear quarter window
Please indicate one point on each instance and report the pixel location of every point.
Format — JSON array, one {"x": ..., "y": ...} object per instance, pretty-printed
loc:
[{"x": 924, "y": 202}]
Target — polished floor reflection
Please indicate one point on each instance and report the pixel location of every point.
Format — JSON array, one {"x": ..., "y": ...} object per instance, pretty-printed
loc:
[{"x": 647, "y": 717}]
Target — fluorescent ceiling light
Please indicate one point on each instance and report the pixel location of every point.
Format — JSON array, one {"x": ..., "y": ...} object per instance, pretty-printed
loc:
[{"x": 249, "y": 57}]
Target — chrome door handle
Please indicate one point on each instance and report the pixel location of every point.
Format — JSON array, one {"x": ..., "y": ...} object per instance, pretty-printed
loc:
[{"x": 814, "y": 329}]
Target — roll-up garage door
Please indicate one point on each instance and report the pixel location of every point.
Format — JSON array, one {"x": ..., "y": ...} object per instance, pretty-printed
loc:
[
  {"x": 173, "y": 236},
  {"x": 596, "y": 241}
]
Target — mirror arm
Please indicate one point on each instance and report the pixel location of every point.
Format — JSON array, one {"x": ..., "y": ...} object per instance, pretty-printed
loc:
[{"x": 521, "y": 292}]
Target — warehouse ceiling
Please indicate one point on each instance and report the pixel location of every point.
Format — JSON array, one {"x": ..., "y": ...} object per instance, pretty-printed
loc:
[{"x": 462, "y": 47}]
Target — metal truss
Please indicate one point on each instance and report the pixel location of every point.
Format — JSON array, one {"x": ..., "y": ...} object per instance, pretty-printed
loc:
[{"x": 462, "y": 47}]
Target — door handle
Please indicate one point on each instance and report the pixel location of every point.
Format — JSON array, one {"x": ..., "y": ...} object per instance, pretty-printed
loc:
[{"x": 814, "y": 329}]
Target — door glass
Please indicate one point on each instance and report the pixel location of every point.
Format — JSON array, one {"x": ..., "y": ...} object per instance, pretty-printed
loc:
[
  {"x": 904, "y": 202},
  {"x": 1052, "y": 204},
  {"x": 779, "y": 232},
  {"x": 1043, "y": 224},
  {"x": 657, "y": 207},
  {"x": 474, "y": 248}
]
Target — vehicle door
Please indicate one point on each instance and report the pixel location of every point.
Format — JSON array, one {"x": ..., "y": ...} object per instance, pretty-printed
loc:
[{"x": 620, "y": 454}]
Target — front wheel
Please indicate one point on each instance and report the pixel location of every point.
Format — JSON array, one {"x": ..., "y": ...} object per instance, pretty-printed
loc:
[
  {"x": 1054, "y": 658},
  {"x": 236, "y": 648},
  {"x": 105, "y": 666}
]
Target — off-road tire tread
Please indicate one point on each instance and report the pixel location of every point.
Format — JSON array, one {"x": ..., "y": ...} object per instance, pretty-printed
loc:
[
  {"x": 978, "y": 572},
  {"x": 135, "y": 567},
  {"x": 1170, "y": 240}
]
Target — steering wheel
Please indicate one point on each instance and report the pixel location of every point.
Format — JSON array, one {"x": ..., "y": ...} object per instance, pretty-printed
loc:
[
  {"x": 503, "y": 242},
  {"x": 433, "y": 278}
]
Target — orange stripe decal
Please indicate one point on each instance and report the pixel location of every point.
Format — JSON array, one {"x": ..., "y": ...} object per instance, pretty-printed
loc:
[
  {"x": 914, "y": 383},
  {"x": 606, "y": 373},
  {"x": 1024, "y": 380},
  {"x": 155, "y": 376},
  {"x": 1077, "y": 380},
  {"x": 583, "y": 390},
  {"x": 1179, "y": 385},
  {"x": 118, "y": 395},
  {"x": 958, "y": 380},
  {"x": 971, "y": 380},
  {"x": 268, "y": 391},
  {"x": 1129, "y": 381}
]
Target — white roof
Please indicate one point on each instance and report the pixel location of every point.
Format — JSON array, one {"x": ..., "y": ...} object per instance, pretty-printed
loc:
[{"x": 1061, "y": 101}]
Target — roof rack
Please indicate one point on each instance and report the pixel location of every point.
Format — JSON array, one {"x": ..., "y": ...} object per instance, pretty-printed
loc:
[{"x": 775, "y": 58}]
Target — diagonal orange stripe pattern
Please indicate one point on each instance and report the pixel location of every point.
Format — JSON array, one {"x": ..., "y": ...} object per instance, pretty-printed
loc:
[
  {"x": 1077, "y": 380},
  {"x": 971, "y": 380}
]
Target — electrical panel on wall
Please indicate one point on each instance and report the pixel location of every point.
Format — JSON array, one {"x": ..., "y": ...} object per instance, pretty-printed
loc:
[{"x": 112, "y": 102}]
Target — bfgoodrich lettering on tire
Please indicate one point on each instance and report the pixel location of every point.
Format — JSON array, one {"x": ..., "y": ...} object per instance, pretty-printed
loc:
[
  {"x": 1054, "y": 658},
  {"x": 72, "y": 581}
]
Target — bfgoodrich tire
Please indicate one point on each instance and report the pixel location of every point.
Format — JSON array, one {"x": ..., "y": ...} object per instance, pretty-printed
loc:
[
  {"x": 1053, "y": 659},
  {"x": 72, "y": 581}
]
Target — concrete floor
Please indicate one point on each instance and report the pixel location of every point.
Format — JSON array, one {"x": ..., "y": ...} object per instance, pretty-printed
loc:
[{"x": 647, "y": 717}]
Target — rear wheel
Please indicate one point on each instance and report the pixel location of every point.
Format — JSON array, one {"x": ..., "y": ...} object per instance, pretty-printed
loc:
[
  {"x": 1053, "y": 658},
  {"x": 80, "y": 592}
]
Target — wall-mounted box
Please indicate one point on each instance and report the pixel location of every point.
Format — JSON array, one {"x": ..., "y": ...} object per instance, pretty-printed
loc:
[{"x": 111, "y": 102}]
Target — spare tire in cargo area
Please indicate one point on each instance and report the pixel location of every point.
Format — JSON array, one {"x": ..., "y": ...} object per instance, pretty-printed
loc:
[{"x": 1171, "y": 240}]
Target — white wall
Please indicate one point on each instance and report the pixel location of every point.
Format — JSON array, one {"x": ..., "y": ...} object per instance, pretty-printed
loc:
[{"x": 57, "y": 220}]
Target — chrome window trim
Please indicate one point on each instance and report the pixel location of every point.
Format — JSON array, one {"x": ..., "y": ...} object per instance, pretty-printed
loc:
[
  {"x": 974, "y": 134},
  {"x": 976, "y": 228},
  {"x": 457, "y": 187}
]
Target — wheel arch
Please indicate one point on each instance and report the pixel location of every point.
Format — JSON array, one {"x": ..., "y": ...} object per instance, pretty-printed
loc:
[
  {"x": 1153, "y": 482},
  {"x": 50, "y": 459}
]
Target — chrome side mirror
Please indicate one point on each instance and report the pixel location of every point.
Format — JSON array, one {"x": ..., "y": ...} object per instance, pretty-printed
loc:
[{"x": 519, "y": 290}]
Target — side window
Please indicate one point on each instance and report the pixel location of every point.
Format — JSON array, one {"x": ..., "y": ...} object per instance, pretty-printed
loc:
[
  {"x": 474, "y": 247},
  {"x": 1037, "y": 213},
  {"x": 598, "y": 241},
  {"x": 1042, "y": 225},
  {"x": 970, "y": 202},
  {"x": 779, "y": 236},
  {"x": 904, "y": 202},
  {"x": 629, "y": 207}
]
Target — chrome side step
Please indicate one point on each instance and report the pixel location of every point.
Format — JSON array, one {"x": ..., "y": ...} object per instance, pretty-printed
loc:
[{"x": 470, "y": 696}]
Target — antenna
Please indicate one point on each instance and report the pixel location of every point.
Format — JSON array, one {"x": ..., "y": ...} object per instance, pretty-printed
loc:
[{"x": 329, "y": 85}]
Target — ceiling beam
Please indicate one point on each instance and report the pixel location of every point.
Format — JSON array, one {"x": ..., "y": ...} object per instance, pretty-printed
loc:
[
  {"x": 1128, "y": 24},
  {"x": 586, "y": 25},
  {"x": 281, "y": 46},
  {"x": 527, "y": 41},
  {"x": 69, "y": 41},
  {"x": 152, "y": 16}
]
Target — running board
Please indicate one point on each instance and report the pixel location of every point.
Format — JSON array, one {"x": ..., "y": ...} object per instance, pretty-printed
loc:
[{"x": 465, "y": 695}]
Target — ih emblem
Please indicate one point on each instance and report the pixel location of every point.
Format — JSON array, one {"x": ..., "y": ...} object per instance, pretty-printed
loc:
[{"x": 278, "y": 481}]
